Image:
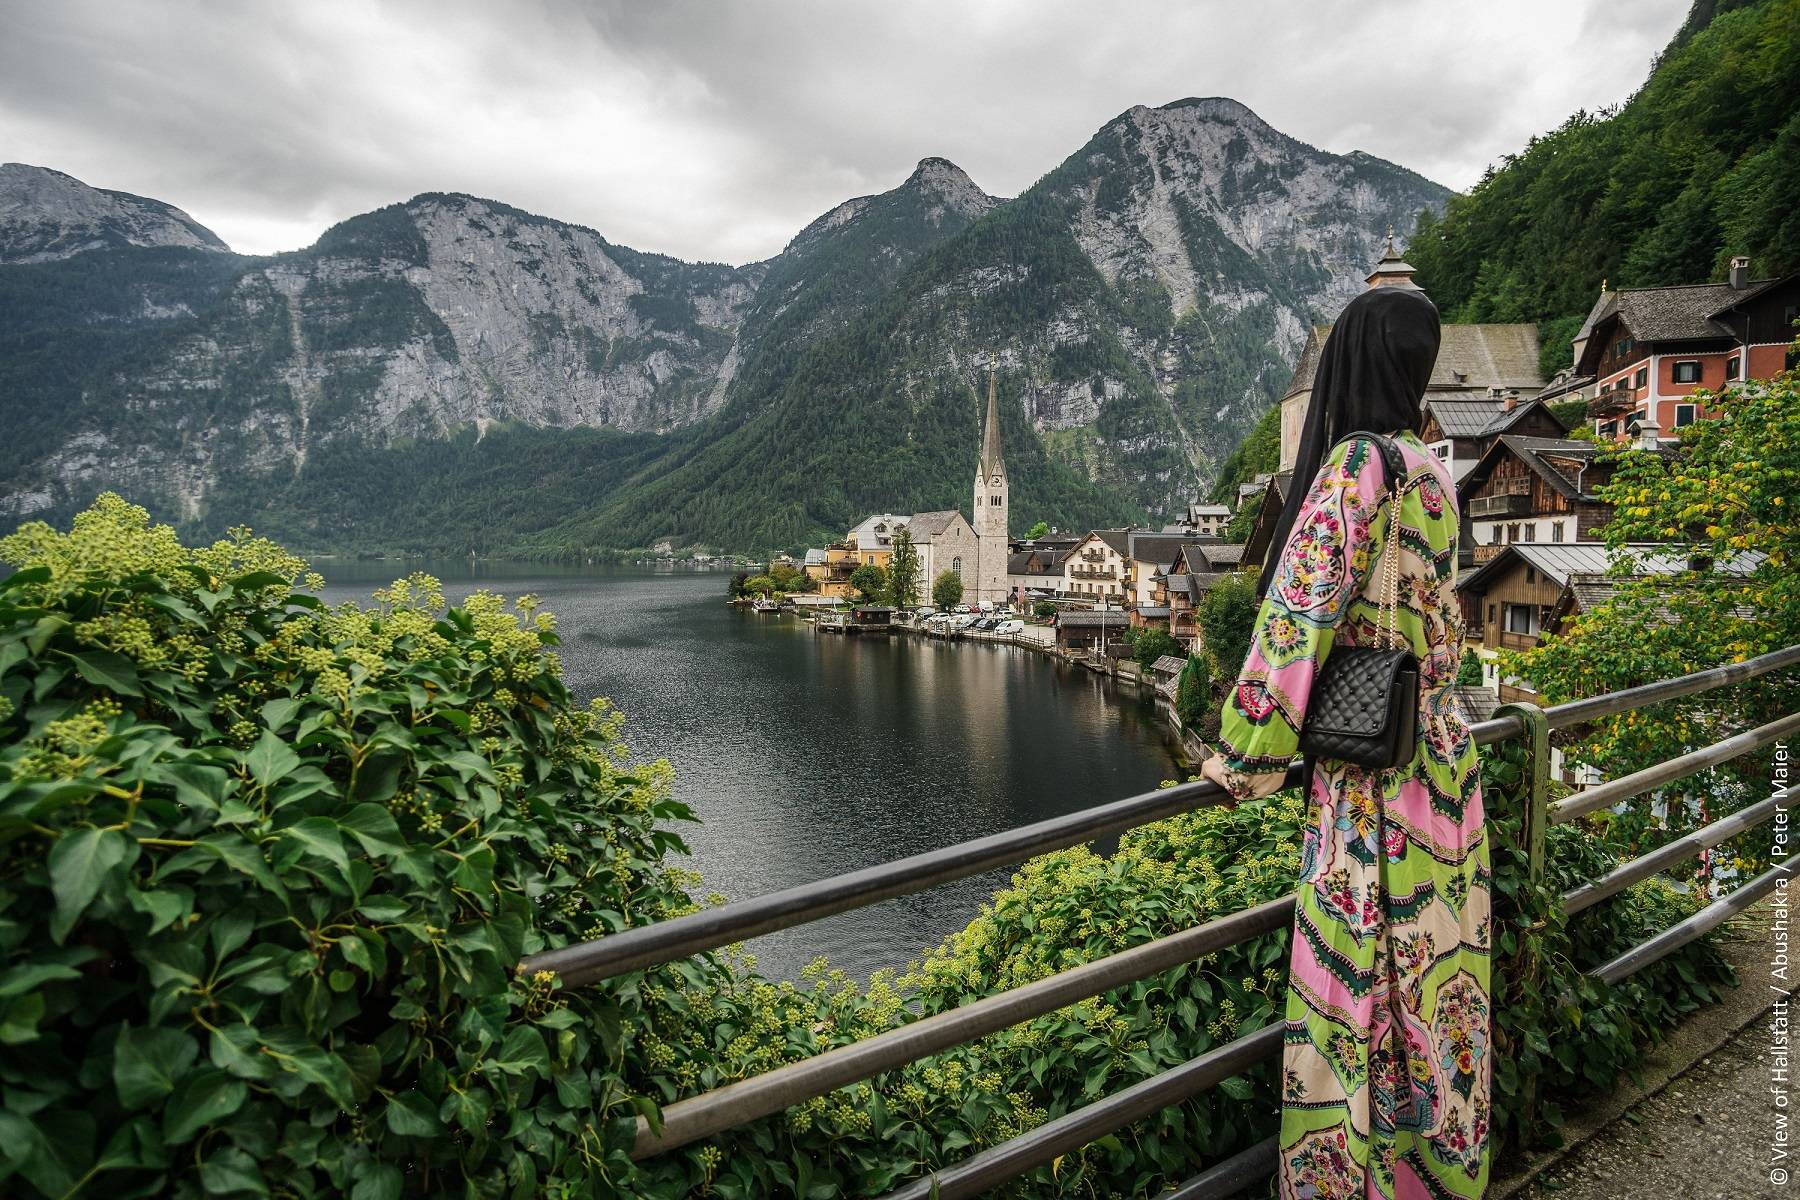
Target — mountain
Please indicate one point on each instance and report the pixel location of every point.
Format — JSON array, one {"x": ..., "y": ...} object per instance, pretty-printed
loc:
[
  {"x": 452, "y": 373},
  {"x": 46, "y": 215},
  {"x": 1700, "y": 165}
]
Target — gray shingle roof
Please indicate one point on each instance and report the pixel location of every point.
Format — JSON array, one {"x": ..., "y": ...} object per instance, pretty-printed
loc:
[
  {"x": 1094, "y": 619},
  {"x": 1217, "y": 555},
  {"x": 1152, "y": 612},
  {"x": 1559, "y": 562},
  {"x": 1157, "y": 547},
  {"x": 1673, "y": 314},
  {"x": 1543, "y": 456},
  {"x": 1168, "y": 664},
  {"x": 925, "y": 526}
]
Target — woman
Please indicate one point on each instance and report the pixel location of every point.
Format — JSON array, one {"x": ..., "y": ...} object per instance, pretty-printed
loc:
[{"x": 1387, "y": 1063}]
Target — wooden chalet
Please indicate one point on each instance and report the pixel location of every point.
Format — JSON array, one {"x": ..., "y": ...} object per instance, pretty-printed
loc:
[{"x": 1530, "y": 489}]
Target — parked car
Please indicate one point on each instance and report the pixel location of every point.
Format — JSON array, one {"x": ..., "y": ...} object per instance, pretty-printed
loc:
[{"x": 1014, "y": 625}]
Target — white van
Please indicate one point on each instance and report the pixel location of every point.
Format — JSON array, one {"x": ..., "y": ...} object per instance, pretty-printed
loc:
[{"x": 1014, "y": 626}]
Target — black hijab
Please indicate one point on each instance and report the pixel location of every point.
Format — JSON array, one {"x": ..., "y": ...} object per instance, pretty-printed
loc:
[{"x": 1371, "y": 377}]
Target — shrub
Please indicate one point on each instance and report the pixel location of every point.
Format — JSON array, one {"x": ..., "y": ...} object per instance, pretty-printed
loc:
[
  {"x": 1043, "y": 610},
  {"x": 947, "y": 590},
  {"x": 1468, "y": 670},
  {"x": 1193, "y": 693},
  {"x": 268, "y": 867},
  {"x": 1227, "y": 616},
  {"x": 1152, "y": 644}
]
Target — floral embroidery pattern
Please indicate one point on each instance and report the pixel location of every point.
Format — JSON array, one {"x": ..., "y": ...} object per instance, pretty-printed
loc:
[{"x": 1389, "y": 965}]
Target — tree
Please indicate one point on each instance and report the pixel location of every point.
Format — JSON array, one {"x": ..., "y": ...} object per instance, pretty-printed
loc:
[
  {"x": 1153, "y": 644},
  {"x": 1723, "y": 505},
  {"x": 1044, "y": 610},
  {"x": 870, "y": 582},
  {"x": 735, "y": 589},
  {"x": 1227, "y": 615},
  {"x": 1037, "y": 531},
  {"x": 758, "y": 585},
  {"x": 1468, "y": 672},
  {"x": 947, "y": 589},
  {"x": 904, "y": 568},
  {"x": 1193, "y": 693}
]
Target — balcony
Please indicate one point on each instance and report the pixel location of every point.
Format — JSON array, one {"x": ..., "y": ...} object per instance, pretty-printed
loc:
[
  {"x": 1518, "y": 641},
  {"x": 1093, "y": 573},
  {"x": 1483, "y": 553},
  {"x": 1508, "y": 505},
  {"x": 1616, "y": 401}
]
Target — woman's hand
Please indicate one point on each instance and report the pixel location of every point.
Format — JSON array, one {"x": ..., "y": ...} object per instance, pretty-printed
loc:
[{"x": 1214, "y": 769}]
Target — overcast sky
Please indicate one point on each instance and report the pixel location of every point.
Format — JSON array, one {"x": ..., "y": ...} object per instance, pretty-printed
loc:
[{"x": 715, "y": 130}]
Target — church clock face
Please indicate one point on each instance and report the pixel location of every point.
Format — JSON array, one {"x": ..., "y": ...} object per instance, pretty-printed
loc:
[{"x": 995, "y": 481}]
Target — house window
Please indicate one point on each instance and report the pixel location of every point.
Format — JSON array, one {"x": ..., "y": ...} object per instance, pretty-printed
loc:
[
  {"x": 1490, "y": 614},
  {"x": 1732, "y": 366},
  {"x": 1530, "y": 574},
  {"x": 1556, "y": 531},
  {"x": 1521, "y": 618},
  {"x": 1609, "y": 429},
  {"x": 1684, "y": 415},
  {"x": 995, "y": 501},
  {"x": 1642, "y": 377},
  {"x": 1687, "y": 372},
  {"x": 956, "y": 565},
  {"x": 1531, "y": 533}
]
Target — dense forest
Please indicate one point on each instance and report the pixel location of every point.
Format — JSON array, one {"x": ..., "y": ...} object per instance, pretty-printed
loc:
[{"x": 1703, "y": 163}]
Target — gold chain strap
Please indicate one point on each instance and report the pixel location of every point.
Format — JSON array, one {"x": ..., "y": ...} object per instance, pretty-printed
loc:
[{"x": 1397, "y": 489}]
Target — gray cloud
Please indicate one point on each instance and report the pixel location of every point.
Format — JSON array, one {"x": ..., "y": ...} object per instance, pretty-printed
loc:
[{"x": 716, "y": 131}]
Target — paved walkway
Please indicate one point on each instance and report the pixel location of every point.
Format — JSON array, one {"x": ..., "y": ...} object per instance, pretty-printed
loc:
[
  {"x": 1704, "y": 1124},
  {"x": 1705, "y": 1135}
]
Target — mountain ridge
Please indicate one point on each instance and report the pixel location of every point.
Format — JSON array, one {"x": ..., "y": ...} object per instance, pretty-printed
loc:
[{"x": 1141, "y": 302}]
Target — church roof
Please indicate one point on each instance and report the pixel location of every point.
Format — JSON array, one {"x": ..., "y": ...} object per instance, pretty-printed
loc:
[
  {"x": 1471, "y": 358},
  {"x": 1392, "y": 266},
  {"x": 925, "y": 526}
]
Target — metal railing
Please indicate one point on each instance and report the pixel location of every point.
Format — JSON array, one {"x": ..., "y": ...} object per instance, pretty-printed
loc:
[{"x": 692, "y": 1119}]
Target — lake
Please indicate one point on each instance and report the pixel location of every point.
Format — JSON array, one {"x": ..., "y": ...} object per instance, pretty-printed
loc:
[{"x": 806, "y": 755}]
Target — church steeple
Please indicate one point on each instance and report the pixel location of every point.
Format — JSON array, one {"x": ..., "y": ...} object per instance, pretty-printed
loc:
[{"x": 990, "y": 464}]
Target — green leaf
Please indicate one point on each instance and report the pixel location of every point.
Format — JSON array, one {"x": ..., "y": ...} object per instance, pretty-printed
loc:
[
  {"x": 230, "y": 1171},
  {"x": 79, "y": 863},
  {"x": 319, "y": 836},
  {"x": 110, "y": 670},
  {"x": 524, "y": 1050},
  {"x": 378, "y": 1181},
  {"x": 29, "y": 975},
  {"x": 374, "y": 826},
  {"x": 148, "y": 1062},
  {"x": 19, "y": 1019},
  {"x": 278, "y": 712},
  {"x": 202, "y": 1098},
  {"x": 270, "y": 759},
  {"x": 413, "y": 1115}
]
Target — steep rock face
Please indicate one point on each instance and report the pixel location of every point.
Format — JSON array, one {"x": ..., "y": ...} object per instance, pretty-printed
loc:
[
  {"x": 411, "y": 322},
  {"x": 46, "y": 215},
  {"x": 1142, "y": 304}
]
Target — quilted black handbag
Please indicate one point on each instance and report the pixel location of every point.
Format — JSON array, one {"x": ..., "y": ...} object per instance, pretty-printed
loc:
[{"x": 1365, "y": 704}]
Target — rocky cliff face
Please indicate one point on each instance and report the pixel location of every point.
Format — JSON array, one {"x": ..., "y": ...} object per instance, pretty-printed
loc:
[
  {"x": 1141, "y": 303},
  {"x": 46, "y": 215}
]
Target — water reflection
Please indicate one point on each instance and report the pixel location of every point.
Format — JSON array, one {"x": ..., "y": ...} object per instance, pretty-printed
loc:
[{"x": 806, "y": 755}]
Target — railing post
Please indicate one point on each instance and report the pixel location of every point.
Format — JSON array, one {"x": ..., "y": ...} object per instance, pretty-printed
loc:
[{"x": 1536, "y": 815}]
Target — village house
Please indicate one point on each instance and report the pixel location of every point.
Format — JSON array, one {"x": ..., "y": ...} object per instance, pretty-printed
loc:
[
  {"x": 1184, "y": 583},
  {"x": 1034, "y": 569},
  {"x": 1528, "y": 489},
  {"x": 1090, "y": 630},
  {"x": 1207, "y": 520},
  {"x": 1460, "y": 429},
  {"x": 1648, "y": 350},
  {"x": 1147, "y": 554},
  {"x": 1099, "y": 568}
]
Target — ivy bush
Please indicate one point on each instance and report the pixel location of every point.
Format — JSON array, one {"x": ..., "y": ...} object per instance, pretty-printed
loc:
[{"x": 266, "y": 869}]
